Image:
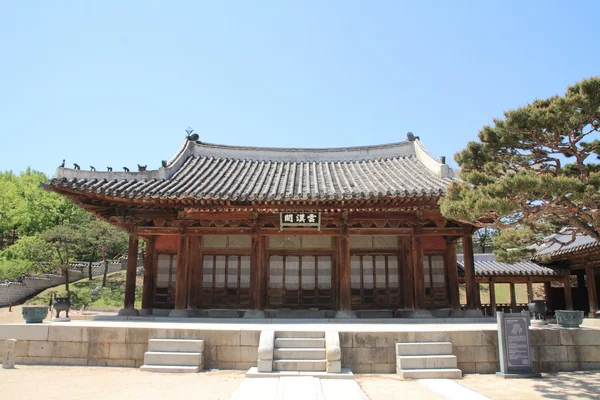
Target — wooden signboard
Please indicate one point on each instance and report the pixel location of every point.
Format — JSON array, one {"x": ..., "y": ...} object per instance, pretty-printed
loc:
[{"x": 300, "y": 219}]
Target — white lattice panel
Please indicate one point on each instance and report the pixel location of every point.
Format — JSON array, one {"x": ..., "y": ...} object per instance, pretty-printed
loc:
[
  {"x": 292, "y": 272},
  {"x": 324, "y": 272},
  {"x": 276, "y": 272},
  {"x": 245, "y": 272},
  {"x": 368, "y": 272},
  {"x": 437, "y": 271},
  {"x": 308, "y": 272},
  {"x": 316, "y": 242},
  {"x": 240, "y": 241},
  {"x": 380, "y": 272},
  {"x": 361, "y": 242},
  {"x": 355, "y": 272},
  {"x": 285, "y": 242},
  {"x": 232, "y": 271},
  {"x": 214, "y": 241},
  {"x": 207, "y": 271},
  {"x": 385, "y": 242},
  {"x": 221, "y": 265}
]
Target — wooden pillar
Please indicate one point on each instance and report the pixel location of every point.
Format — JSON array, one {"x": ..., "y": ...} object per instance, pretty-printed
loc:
[
  {"x": 131, "y": 270},
  {"x": 568, "y": 294},
  {"x": 418, "y": 270},
  {"x": 182, "y": 271},
  {"x": 345, "y": 295},
  {"x": 548, "y": 295},
  {"x": 469, "y": 266},
  {"x": 590, "y": 280},
  {"x": 257, "y": 267},
  {"x": 513, "y": 298},
  {"x": 149, "y": 271},
  {"x": 407, "y": 267},
  {"x": 478, "y": 295},
  {"x": 492, "y": 291},
  {"x": 194, "y": 279},
  {"x": 452, "y": 274},
  {"x": 529, "y": 290}
]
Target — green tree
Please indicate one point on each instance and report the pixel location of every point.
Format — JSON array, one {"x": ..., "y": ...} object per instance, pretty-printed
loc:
[
  {"x": 65, "y": 241},
  {"x": 99, "y": 238},
  {"x": 533, "y": 171}
]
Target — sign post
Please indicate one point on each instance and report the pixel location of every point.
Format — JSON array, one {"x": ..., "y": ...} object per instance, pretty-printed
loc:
[{"x": 513, "y": 346}]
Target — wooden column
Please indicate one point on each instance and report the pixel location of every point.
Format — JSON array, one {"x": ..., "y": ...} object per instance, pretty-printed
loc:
[
  {"x": 548, "y": 296},
  {"x": 568, "y": 294},
  {"x": 258, "y": 269},
  {"x": 492, "y": 291},
  {"x": 477, "y": 295},
  {"x": 513, "y": 298},
  {"x": 590, "y": 280},
  {"x": 194, "y": 279},
  {"x": 149, "y": 271},
  {"x": 469, "y": 266},
  {"x": 407, "y": 267},
  {"x": 452, "y": 274},
  {"x": 529, "y": 290},
  {"x": 345, "y": 295},
  {"x": 182, "y": 271},
  {"x": 418, "y": 270},
  {"x": 131, "y": 270}
]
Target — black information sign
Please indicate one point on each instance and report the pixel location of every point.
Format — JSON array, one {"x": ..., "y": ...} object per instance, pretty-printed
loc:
[
  {"x": 300, "y": 219},
  {"x": 517, "y": 343},
  {"x": 513, "y": 345}
]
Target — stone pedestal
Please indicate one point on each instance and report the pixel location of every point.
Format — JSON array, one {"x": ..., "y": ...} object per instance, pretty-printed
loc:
[
  {"x": 421, "y": 314},
  {"x": 473, "y": 313},
  {"x": 345, "y": 315},
  {"x": 179, "y": 313},
  {"x": 61, "y": 319},
  {"x": 144, "y": 312},
  {"x": 128, "y": 312},
  {"x": 254, "y": 314}
]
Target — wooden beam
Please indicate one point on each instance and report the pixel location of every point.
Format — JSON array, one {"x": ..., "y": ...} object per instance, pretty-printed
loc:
[
  {"x": 529, "y": 290},
  {"x": 418, "y": 270},
  {"x": 590, "y": 280},
  {"x": 513, "y": 298},
  {"x": 568, "y": 294},
  {"x": 131, "y": 270},
  {"x": 452, "y": 274},
  {"x": 492, "y": 292},
  {"x": 300, "y": 232},
  {"x": 469, "y": 267},
  {"x": 405, "y": 231},
  {"x": 182, "y": 271},
  {"x": 345, "y": 296},
  {"x": 149, "y": 270}
]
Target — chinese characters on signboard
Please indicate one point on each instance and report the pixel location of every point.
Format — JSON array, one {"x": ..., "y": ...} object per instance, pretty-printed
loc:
[{"x": 300, "y": 219}]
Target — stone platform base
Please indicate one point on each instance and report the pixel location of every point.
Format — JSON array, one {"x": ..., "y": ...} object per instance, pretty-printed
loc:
[{"x": 345, "y": 374}]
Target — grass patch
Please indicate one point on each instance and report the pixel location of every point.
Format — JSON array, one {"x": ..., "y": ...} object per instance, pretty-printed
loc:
[{"x": 110, "y": 296}]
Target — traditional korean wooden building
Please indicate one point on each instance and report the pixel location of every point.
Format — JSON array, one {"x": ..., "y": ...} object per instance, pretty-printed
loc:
[{"x": 264, "y": 228}]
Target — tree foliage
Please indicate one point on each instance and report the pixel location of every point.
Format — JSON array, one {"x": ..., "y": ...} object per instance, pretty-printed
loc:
[{"x": 533, "y": 171}]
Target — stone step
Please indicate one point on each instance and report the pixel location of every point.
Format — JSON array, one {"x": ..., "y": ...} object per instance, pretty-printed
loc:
[
  {"x": 424, "y": 349},
  {"x": 176, "y": 345},
  {"x": 299, "y": 365},
  {"x": 295, "y": 353},
  {"x": 299, "y": 334},
  {"x": 443, "y": 373},
  {"x": 422, "y": 362},
  {"x": 173, "y": 358},
  {"x": 300, "y": 342},
  {"x": 171, "y": 369}
]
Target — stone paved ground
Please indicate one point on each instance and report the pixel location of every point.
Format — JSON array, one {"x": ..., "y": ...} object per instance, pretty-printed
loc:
[
  {"x": 391, "y": 387},
  {"x": 567, "y": 385}
]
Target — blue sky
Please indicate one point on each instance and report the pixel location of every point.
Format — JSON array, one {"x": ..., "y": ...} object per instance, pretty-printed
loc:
[{"x": 111, "y": 83}]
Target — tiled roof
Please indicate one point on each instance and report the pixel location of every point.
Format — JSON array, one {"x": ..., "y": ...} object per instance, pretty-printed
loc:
[
  {"x": 490, "y": 268},
  {"x": 204, "y": 171},
  {"x": 554, "y": 245}
]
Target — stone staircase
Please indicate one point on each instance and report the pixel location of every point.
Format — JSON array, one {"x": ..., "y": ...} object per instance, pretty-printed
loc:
[
  {"x": 174, "y": 355},
  {"x": 429, "y": 360},
  {"x": 299, "y": 351}
]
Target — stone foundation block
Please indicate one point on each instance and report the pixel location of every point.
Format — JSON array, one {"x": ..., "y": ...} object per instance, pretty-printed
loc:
[
  {"x": 53, "y": 361},
  {"x": 106, "y": 335},
  {"x": 137, "y": 335},
  {"x": 346, "y": 339},
  {"x": 466, "y": 338},
  {"x": 334, "y": 367},
  {"x": 545, "y": 337},
  {"x": 112, "y": 363},
  {"x": 583, "y": 353},
  {"x": 249, "y": 338},
  {"x": 264, "y": 365},
  {"x": 580, "y": 337},
  {"x": 476, "y": 354},
  {"x": 361, "y": 368},
  {"x": 383, "y": 368},
  {"x": 229, "y": 354},
  {"x": 467, "y": 367},
  {"x": 66, "y": 334},
  {"x": 118, "y": 351},
  {"x": 549, "y": 353},
  {"x": 487, "y": 367}
]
